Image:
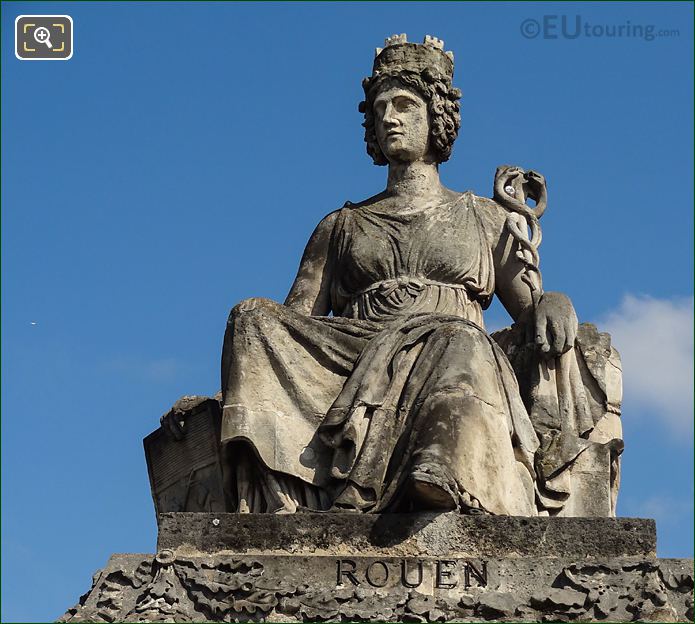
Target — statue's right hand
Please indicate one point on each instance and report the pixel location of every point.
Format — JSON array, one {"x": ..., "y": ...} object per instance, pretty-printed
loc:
[{"x": 173, "y": 423}]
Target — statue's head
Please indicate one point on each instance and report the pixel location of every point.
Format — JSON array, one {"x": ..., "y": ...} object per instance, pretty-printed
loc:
[{"x": 411, "y": 110}]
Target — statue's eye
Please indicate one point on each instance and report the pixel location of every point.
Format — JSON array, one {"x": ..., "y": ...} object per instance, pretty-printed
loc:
[{"x": 403, "y": 104}]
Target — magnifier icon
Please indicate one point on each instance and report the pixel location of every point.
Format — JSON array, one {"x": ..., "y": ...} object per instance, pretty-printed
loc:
[{"x": 43, "y": 35}]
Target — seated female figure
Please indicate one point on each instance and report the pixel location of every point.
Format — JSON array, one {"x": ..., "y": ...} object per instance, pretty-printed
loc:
[
  {"x": 400, "y": 400},
  {"x": 375, "y": 386}
]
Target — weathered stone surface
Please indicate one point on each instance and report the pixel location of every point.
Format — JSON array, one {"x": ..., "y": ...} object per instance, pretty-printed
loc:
[
  {"x": 187, "y": 474},
  {"x": 411, "y": 535},
  {"x": 393, "y": 567},
  {"x": 170, "y": 587},
  {"x": 375, "y": 386}
]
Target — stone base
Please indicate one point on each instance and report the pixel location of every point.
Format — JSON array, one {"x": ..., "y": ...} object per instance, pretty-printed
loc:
[{"x": 411, "y": 567}]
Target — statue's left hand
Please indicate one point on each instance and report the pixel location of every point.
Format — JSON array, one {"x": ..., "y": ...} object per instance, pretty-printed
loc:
[{"x": 556, "y": 324}]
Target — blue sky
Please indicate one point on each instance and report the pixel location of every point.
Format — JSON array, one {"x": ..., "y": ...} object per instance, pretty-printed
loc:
[{"x": 178, "y": 163}]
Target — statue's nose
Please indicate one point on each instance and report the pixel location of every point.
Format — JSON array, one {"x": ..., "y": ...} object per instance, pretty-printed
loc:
[{"x": 389, "y": 118}]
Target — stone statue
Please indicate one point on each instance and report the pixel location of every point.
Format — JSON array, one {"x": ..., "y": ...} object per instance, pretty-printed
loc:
[
  {"x": 375, "y": 386},
  {"x": 373, "y": 399}
]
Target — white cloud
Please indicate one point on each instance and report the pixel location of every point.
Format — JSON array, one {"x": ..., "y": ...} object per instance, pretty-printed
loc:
[{"x": 655, "y": 341}]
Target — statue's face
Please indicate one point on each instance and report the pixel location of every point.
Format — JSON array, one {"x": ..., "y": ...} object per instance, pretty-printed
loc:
[{"x": 401, "y": 123}]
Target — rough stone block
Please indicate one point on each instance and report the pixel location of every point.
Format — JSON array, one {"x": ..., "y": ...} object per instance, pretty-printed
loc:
[
  {"x": 289, "y": 588},
  {"x": 411, "y": 535},
  {"x": 409, "y": 567}
]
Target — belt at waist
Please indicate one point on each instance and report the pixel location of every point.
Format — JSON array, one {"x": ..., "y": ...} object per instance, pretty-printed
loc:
[{"x": 418, "y": 284}]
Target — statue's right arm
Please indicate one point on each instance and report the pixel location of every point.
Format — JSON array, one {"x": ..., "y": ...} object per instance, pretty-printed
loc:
[{"x": 310, "y": 293}]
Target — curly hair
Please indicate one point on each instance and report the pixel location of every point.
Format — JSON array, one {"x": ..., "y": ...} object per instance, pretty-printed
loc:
[{"x": 442, "y": 105}]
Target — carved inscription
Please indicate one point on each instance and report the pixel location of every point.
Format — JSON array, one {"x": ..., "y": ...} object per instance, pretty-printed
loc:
[{"x": 411, "y": 573}]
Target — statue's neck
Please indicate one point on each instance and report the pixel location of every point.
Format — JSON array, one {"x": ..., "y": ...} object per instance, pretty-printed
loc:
[{"x": 413, "y": 179}]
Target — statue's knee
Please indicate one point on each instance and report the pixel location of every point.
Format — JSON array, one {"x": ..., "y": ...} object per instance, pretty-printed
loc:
[
  {"x": 463, "y": 335},
  {"x": 249, "y": 309},
  {"x": 449, "y": 401},
  {"x": 457, "y": 405}
]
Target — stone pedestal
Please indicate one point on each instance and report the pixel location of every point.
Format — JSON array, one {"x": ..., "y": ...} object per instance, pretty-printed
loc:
[{"x": 396, "y": 567}]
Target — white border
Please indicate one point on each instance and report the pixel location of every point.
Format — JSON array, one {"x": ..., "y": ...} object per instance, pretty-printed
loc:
[{"x": 53, "y": 58}]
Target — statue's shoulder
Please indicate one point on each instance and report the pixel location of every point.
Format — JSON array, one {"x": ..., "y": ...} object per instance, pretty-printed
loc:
[
  {"x": 339, "y": 216},
  {"x": 487, "y": 206},
  {"x": 491, "y": 214},
  {"x": 323, "y": 231},
  {"x": 328, "y": 223}
]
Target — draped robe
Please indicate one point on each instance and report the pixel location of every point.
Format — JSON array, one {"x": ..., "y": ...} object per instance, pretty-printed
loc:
[{"x": 401, "y": 382}]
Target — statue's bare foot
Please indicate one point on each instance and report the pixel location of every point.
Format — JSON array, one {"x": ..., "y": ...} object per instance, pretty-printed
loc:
[
  {"x": 429, "y": 490},
  {"x": 470, "y": 506},
  {"x": 433, "y": 489}
]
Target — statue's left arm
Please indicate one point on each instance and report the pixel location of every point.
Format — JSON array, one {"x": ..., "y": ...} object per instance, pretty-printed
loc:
[
  {"x": 552, "y": 320},
  {"x": 549, "y": 315},
  {"x": 569, "y": 375}
]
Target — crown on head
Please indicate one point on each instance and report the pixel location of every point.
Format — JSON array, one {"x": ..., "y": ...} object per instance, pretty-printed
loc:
[{"x": 397, "y": 53}]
